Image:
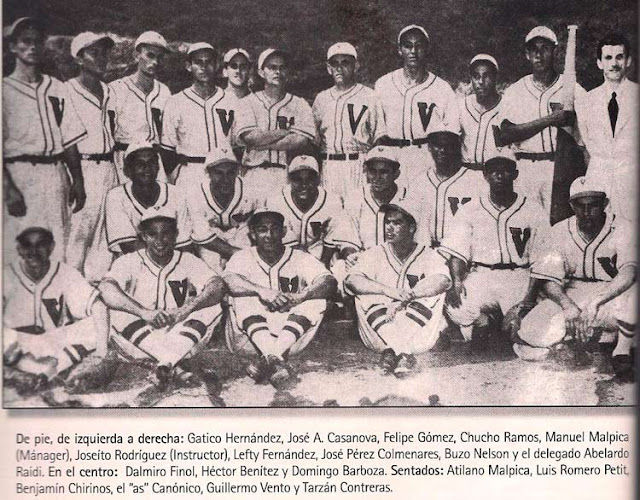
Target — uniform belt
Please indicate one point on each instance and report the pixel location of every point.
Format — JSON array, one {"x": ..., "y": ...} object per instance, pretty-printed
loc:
[
  {"x": 35, "y": 158},
  {"x": 340, "y": 156},
  {"x": 266, "y": 164},
  {"x": 501, "y": 266},
  {"x": 190, "y": 159},
  {"x": 535, "y": 156},
  {"x": 401, "y": 143},
  {"x": 99, "y": 156},
  {"x": 586, "y": 280},
  {"x": 473, "y": 166}
]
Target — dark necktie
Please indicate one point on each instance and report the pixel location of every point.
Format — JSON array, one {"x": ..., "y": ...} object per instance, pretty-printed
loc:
[{"x": 613, "y": 112}]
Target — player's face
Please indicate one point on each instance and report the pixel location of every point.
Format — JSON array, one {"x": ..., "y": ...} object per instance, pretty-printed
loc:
[
  {"x": 223, "y": 177},
  {"x": 500, "y": 177},
  {"x": 202, "y": 65},
  {"x": 267, "y": 235},
  {"x": 614, "y": 62},
  {"x": 445, "y": 151},
  {"x": 28, "y": 46},
  {"x": 35, "y": 253},
  {"x": 94, "y": 59},
  {"x": 342, "y": 68},
  {"x": 238, "y": 70},
  {"x": 150, "y": 59},
  {"x": 381, "y": 175},
  {"x": 540, "y": 53},
  {"x": 159, "y": 239},
  {"x": 304, "y": 184},
  {"x": 413, "y": 50},
  {"x": 398, "y": 228},
  {"x": 589, "y": 209},
  {"x": 483, "y": 79},
  {"x": 274, "y": 71},
  {"x": 144, "y": 167}
]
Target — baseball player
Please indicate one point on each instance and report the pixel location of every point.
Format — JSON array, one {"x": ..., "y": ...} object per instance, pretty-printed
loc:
[
  {"x": 530, "y": 113},
  {"x": 314, "y": 217},
  {"x": 52, "y": 318},
  {"x": 163, "y": 303},
  {"x": 41, "y": 131},
  {"x": 237, "y": 71},
  {"x": 87, "y": 248},
  {"x": 196, "y": 120},
  {"x": 589, "y": 280},
  {"x": 278, "y": 298},
  {"x": 609, "y": 125},
  {"x": 400, "y": 290},
  {"x": 126, "y": 203},
  {"x": 349, "y": 120},
  {"x": 479, "y": 112},
  {"x": 490, "y": 249},
  {"x": 447, "y": 186},
  {"x": 272, "y": 125},
  {"x": 219, "y": 208},
  {"x": 137, "y": 100},
  {"x": 415, "y": 102}
]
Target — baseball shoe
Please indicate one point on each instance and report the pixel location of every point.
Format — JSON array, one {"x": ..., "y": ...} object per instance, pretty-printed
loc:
[
  {"x": 163, "y": 374},
  {"x": 388, "y": 360},
  {"x": 623, "y": 369},
  {"x": 405, "y": 365},
  {"x": 25, "y": 383},
  {"x": 259, "y": 371},
  {"x": 281, "y": 373}
]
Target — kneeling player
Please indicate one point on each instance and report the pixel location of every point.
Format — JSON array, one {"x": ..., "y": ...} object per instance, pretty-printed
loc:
[
  {"x": 590, "y": 281},
  {"x": 400, "y": 290},
  {"x": 53, "y": 318},
  {"x": 279, "y": 296},
  {"x": 164, "y": 302}
]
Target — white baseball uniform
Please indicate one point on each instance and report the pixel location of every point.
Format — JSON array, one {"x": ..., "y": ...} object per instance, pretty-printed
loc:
[
  {"x": 411, "y": 113},
  {"x": 38, "y": 123},
  {"x": 87, "y": 247},
  {"x": 348, "y": 125},
  {"x": 166, "y": 288},
  {"x": 498, "y": 247},
  {"x": 137, "y": 117},
  {"x": 584, "y": 269},
  {"x": 50, "y": 318},
  {"x": 267, "y": 168},
  {"x": 476, "y": 127},
  {"x": 209, "y": 220},
  {"x": 251, "y": 327},
  {"x": 124, "y": 211},
  {"x": 381, "y": 323},
  {"x": 523, "y": 102}
]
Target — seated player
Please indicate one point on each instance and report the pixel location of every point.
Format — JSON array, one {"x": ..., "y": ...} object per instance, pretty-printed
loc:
[
  {"x": 53, "y": 319},
  {"x": 400, "y": 290},
  {"x": 164, "y": 303},
  {"x": 278, "y": 299},
  {"x": 589, "y": 277},
  {"x": 490, "y": 250},
  {"x": 126, "y": 203},
  {"x": 219, "y": 208},
  {"x": 314, "y": 218}
]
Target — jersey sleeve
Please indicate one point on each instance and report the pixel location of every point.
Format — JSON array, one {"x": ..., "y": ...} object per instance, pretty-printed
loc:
[
  {"x": 183, "y": 219},
  {"x": 434, "y": 263},
  {"x": 122, "y": 270},
  {"x": 118, "y": 225},
  {"x": 340, "y": 231},
  {"x": 458, "y": 242},
  {"x": 451, "y": 117},
  {"x": 309, "y": 268},
  {"x": 170, "y": 117},
  {"x": 304, "y": 123},
  {"x": 509, "y": 106},
  {"x": 368, "y": 263},
  {"x": 79, "y": 294},
  {"x": 550, "y": 266},
  {"x": 245, "y": 121},
  {"x": 237, "y": 264},
  {"x": 71, "y": 127},
  {"x": 199, "y": 272}
]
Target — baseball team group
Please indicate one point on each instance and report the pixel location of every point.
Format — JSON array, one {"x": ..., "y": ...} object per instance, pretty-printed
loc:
[{"x": 139, "y": 224}]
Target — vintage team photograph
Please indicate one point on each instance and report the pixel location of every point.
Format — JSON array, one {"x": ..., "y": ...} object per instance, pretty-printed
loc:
[{"x": 319, "y": 204}]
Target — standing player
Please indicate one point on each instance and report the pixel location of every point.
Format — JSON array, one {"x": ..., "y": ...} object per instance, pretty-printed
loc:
[
  {"x": 415, "y": 102},
  {"x": 479, "y": 112},
  {"x": 164, "y": 303},
  {"x": 126, "y": 203},
  {"x": 279, "y": 295},
  {"x": 349, "y": 122},
  {"x": 41, "y": 130},
  {"x": 400, "y": 291},
  {"x": 273, "y": 125},
  {"x": 608, "y": 120},
  {"x": 589, "y": 280},
  {"x": 490, "y": 250},
  {"x": 530, "y": 113},
  {"x": 237, "y": 70},
  {"x": 196, "y": 120},
  {"x": 137, "y": 101},
  {"x": 87, "y": 248},
  {"x": 219, "y": 208}
]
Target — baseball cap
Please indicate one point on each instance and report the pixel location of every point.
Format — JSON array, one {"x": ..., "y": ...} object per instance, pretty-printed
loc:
[
  {"x": 21, "y": 23},
  {"x": 410, "y": 28},
  {"x": 218, "y": 156},
  {"x": 151, "y": 38},
  {"x": 137, "y": 146},
  {"x": 262, "y": 213},
  {"x": 266, "y": 54},
  {"x": 234, "y": 52},
  {"x": 158, "y": 212},
  {"x": 343, "y": 49},
  {"x": 87, "y": 38},
  {"x": 443, "y": 135},
  {"x": 199, "y": 46},
  {"x": 399, "y": 206},
  {"x": 542, "y": 32},
  {"x": 504, "y": 156},
  {"x": 586, "y": 186},
  {"x": 484, "y": 57},
  {"x": 303, "y": 162},
  {"x": 382, "y": 153}
]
